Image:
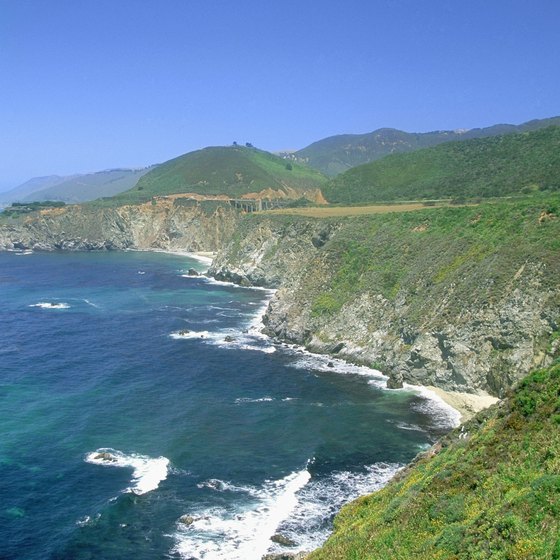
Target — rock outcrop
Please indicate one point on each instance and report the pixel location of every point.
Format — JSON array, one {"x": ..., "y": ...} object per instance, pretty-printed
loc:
[
  {"x": 159, "y": 224},
  {"x": 470, "y": 316},
  {"x": 465, "y": 299}
]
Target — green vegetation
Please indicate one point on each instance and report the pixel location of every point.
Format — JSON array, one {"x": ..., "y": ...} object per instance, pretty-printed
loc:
[
  {"x": 233, "y": 171},
  {"x": 337, "y": 154},
  {"x": 491, "y": 495},
  {"x": 19, "y": 208},
  {"x": 421, "y": 254},
  {"x": 499, "y": 166}
]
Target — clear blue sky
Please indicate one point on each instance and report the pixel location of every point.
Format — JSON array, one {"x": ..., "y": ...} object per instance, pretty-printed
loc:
[{"x": 88, "y": 85}]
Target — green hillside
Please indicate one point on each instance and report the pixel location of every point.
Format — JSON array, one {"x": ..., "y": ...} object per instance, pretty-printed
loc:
[
  {"x": 487, "y": 167},
  {"x": 232, "y": 170},
  {"x": 492, "y": 493},
  {"x": 337, "y": 154}
]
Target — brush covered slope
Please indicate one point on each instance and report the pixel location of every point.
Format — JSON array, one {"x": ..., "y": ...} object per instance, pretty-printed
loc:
[
  {"x": 336, "y": 154},
  {"x": 489, "y": 167},
  {"x": 234, "y": 171},
  {"x": 492, "y": 492},
  {"x": 462, "y": 298}
]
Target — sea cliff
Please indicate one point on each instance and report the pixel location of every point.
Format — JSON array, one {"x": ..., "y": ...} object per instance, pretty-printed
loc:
[
  {"x": 465, "y": 299},
  {"x": 161, "y": 224}
]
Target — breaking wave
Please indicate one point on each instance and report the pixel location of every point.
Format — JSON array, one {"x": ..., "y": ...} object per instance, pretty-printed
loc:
[{"x": 147, "y": 472}]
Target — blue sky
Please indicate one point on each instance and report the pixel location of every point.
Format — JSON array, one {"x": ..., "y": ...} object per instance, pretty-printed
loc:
[{"x": 89, "y": 85}]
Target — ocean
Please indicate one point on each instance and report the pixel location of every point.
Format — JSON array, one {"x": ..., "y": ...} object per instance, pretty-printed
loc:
[{"x": 143, "y": 415}]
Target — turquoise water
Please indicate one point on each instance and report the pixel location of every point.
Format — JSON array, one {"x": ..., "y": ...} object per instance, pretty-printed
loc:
[{"x": 115, "y": 422}]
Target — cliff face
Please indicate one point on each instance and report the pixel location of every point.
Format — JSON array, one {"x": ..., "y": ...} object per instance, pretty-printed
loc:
[
  {"x": 462, "y": 298},
  {"x": 164, "y": 225},
  {"x": 465, "y": 299}
]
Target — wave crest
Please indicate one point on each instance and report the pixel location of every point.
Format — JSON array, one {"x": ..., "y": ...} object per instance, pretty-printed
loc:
[{"x": 147, "y": 472}]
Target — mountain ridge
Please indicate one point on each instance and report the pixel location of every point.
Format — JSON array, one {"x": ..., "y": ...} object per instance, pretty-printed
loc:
[
  {"x": 338, "y": 153},
  {"x": 494, "y": 166}
]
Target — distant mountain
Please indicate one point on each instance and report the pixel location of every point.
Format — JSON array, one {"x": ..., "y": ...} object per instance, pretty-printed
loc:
[
  {"x": 337, "y": 154},
  {"x": 81, "y": 188},
  {"x": 233, "y": 170},
  {"x": 18, "y": 194},
  {"x": 75, "y": 188},
  {"x": 482, "y": 167}
]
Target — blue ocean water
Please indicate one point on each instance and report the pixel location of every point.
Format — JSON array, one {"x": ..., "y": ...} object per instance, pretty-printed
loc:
[{"x": 130, "y": 427}]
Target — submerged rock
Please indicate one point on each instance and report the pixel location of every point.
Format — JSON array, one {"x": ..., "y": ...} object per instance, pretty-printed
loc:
[
  {"x": 395, "y": 381},
  {"x": 286, "y": 556},
  {"x": 283, "y": 540},
  {"x": 104, "y": 456},
  {"x": 187, "y": 520},
  {"x": 229, "y": 338}
]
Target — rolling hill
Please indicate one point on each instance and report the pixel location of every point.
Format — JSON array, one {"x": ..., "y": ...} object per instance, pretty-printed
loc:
[
  {"x": 336, "y": 154},
  {"x": 486, "y": 167},
  {"x": 233, "y": 170}
]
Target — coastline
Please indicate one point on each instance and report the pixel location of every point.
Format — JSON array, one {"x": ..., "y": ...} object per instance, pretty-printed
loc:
[
  {"x": 466, "y": 404},
  {"x": 205, "y": 257},
  {"x": 463, "y": 405}
]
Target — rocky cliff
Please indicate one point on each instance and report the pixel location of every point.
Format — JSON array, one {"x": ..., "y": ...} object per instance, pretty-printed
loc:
[
  {"x": 164, "y": 224},
  {"x": 465, "y": 299}
]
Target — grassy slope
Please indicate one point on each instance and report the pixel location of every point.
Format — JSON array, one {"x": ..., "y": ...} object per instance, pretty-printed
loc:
[
  {"x": 337, "y": 154},
  {"x": 433, "y": 268},
  {"x": 222, "y": 170},
  {"x": 493, "y": 495},
  {"x": 496, "y": 166},
  {"x": 423, "y": 253}
]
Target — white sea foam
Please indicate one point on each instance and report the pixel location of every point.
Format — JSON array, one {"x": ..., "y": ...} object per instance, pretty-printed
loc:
[
  {"x": 248, "y": 338},
  {"x": 26, "y": 252},
  {"x": 227, "y": 338},
  {"x": 241, "y": 533},
  {"x": 246, "y": 400},
  {"x": 320, "y": 362},
  {"x": 51, "y": 305},
  {"x": 186, "y": 334},
  {"x": 441, "y": 413},
  {"x": 223, "y": 486},
  {"x": 147, "y": 472},
  {"x": 310, "y": 522},
  {"x": 214, "y": 282},
  {"x": 405, "y": 426}
]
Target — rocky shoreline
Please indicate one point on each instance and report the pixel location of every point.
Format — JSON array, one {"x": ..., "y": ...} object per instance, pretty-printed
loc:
[{"x": 459, "y": 313}]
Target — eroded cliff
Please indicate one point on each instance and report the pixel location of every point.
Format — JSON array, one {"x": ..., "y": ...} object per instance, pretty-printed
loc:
[
  {"x": 462, "y": 298},
  {"x": 163, "y": 224},
  {"x": 465, "y": 298}
]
